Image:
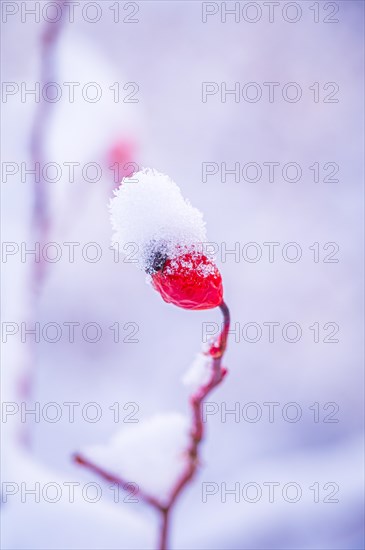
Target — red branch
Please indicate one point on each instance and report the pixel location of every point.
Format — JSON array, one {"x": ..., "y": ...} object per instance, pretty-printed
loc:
[{"x": 216, "y": 351}]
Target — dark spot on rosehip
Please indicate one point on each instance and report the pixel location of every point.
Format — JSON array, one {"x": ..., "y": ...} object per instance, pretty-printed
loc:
[{"x": 156, "y": 263}]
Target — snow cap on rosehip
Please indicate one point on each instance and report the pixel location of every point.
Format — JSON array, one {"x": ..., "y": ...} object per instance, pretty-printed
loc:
[{"x": 166, "y": 234}]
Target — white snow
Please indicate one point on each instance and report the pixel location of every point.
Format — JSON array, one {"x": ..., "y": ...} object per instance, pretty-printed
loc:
[
  {"x": 92, "y": 524},
  {"x": 199, "y": 372},
  {"x": 150, "y": 453},
  {"x": 149, "y": 210}
]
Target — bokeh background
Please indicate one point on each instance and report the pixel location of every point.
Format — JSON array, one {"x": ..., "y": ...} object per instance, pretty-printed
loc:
[{"x": 167, "y": 54}]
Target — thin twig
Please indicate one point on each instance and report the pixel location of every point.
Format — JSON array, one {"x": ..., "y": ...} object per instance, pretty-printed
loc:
[
  {"x": 40, "y": 210},
  {"x": 41, "y": 221},
  {"x": 117, "y": 480}
]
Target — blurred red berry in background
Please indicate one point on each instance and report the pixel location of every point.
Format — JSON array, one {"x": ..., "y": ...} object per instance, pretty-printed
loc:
[{"x": 120, "y": 159}]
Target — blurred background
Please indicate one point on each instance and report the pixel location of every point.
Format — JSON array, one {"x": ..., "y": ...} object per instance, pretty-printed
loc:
[{"x": 131, "y": 90}]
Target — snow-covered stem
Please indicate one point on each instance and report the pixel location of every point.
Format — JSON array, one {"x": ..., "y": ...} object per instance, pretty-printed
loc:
[{"x": 218, "y": 372}]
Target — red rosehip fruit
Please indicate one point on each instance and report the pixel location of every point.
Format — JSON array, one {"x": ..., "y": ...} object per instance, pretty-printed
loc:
[{"x": 190, "y": 281}]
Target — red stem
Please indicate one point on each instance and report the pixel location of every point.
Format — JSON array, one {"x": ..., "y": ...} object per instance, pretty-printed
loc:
[
  {"x": 196, "y": 434},
  {"x": 164, "y": 532}
]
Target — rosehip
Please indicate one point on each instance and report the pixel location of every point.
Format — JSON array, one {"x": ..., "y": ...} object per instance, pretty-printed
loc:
[{"x": 190, "y": 281}]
